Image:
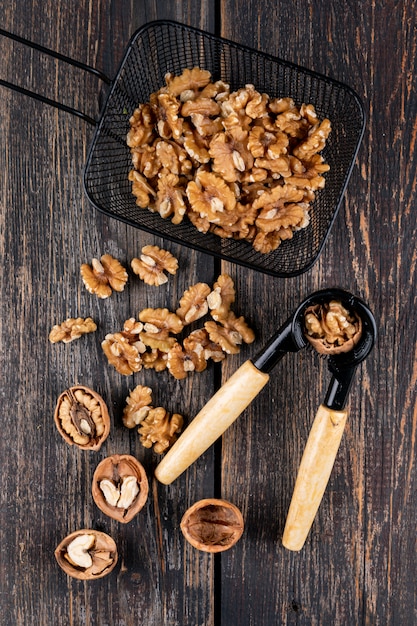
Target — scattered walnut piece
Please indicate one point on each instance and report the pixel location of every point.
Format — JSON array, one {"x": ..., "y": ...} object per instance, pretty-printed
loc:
[
  {"x": 212, "y": 525},
  {"x": 152, "y": 265},
  {"x": 138, "y": 405},
  {"x": 120, "y": 487},
  {"x": 159, "y": 429},
  {"x": 155, "y": 359},
  {"x": 181, "y": 362},
  {"x": 72, "y": 328},
  {"x": 159, "y": 324},
  {"x": 87, "y": 554},
  {"x": 201, "y": 349},
  {"x": 204, "y": 152},
  {"x": 193, "y": 304},
  {"x": 331, "y": 328},
  {"x": 103, "y": 276},
  {"x": 82, "y": 418},
  {"x": 123, "y": 355},
  {"x": 221, "y": 297},
  {"x": 229, "y": 340}
]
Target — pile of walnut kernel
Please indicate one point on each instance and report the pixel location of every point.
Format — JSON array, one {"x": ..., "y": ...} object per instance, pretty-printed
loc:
[
  {"x": 159, "y": 339},
  {"x": 152, "y": 341},
  {"x": 240, "y": 164}
]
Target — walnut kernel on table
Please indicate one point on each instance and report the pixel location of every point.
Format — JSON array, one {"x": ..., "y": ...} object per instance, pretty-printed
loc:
[
  {"x": 82, "y": 418},
  {"x": 138, "y": 405},
  {"x": 193, "y": 303},
  {"x": 160, "y": 429},
  {"x": 123, "y": 349},
  {"x": 157, "y": 340},
  {"x": 103, "y": 276},
  {"x": 157, "y": 427},
  {"x": 72, "y": 328},
  {"x": 208, "y": 154},
  {"x": 331, "y": 328},
  {"x": 152, "y": 265}
]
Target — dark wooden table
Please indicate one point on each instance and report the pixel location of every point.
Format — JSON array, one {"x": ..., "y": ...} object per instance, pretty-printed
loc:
[{"x": 358, "y": 565}]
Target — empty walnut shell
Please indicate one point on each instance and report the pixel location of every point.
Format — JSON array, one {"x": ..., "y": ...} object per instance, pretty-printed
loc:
[
  {"x": 87, "y": 554},
  {"x": 120, "y": 487},
  {"x": 212, "y": 525},
  {"x": 82, "y": 418}
]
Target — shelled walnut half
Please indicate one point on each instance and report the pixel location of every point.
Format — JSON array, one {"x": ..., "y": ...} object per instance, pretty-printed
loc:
[
  {"x": 82, "y": 418},
  {"x": 212, "y": 525},
  {"x": 120, "y": 487},
  {"x": 152, "y": 265},
  {"x": 72, "y": 328},
  {"x": 159, "y": 429},
  {"x": 331, "y": 328},
  {"x": 103, "y": 276},
  {"x": 87, "y": 554}
]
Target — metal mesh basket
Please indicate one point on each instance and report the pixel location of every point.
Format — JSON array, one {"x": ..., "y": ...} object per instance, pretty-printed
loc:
[{"x": 165, "y": 46}]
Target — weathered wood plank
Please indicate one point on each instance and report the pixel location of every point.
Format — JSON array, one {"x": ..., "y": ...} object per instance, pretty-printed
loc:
[
  {"x": 47, "y": 230},
  {"x": 357, "y": 564}
]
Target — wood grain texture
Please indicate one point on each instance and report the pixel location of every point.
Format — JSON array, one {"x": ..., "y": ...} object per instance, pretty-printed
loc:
[
  {"x": 358, "y": 565},
  {"x": 47, "y": 230}
]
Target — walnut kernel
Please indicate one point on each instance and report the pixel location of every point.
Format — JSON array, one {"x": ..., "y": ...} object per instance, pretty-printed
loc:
[
  {"x": 72, "y": 328},
  {"x": 153, "y": 263},
  {"x": 193, "y": 303},
  {"x": 331, "y": 328},
  {"x": 138, "y": 405},
  {"x": 103, "y": 276},
  {"x": 159, "y": 429},
  {"x": 123, "y": 355}
]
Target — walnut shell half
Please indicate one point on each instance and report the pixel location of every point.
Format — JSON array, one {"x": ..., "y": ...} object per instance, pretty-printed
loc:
[
  {"x": 87, "y": 554},
  {"x": 331, "y": 328},
  {"x": 82, "y": 418},
  {"x": 120, "y": 487},
  {"x": 212, "y": 525}
]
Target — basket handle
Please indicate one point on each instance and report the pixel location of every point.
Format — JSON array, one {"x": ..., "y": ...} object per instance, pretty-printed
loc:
[{"x": 61, "y": 57}]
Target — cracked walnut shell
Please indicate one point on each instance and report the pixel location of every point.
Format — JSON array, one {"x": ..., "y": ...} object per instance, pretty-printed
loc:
[
  {"x": 331, "y": 328},
  {"x": 120, "y": 487},
  {"x": 82, "y": 418},
  {"x": 103, "y": 276},
  {"x": 212, "y": 525},
  {"x": 152, "y": 264},
  {"x": 72, "y": 328},
  {"x": 87, "y": 554}
]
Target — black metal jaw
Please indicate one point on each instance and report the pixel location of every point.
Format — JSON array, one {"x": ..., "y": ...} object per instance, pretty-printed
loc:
[
  {"x": 289, "y": 338},
  {"x": 338, "y": 390}
]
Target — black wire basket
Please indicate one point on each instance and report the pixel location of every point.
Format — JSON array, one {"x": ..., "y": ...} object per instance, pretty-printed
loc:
[{"x": 164, "y": 46}]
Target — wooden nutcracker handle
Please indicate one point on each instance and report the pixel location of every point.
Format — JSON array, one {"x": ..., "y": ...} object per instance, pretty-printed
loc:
[
  {"x": 313, "y": 475},
  {"x": 210, "y": 423}
]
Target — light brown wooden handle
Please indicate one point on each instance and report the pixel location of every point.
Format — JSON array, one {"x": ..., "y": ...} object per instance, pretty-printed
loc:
[
  {"x": 313, "y": 475},
  {"x": 214, "y": 418}
]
